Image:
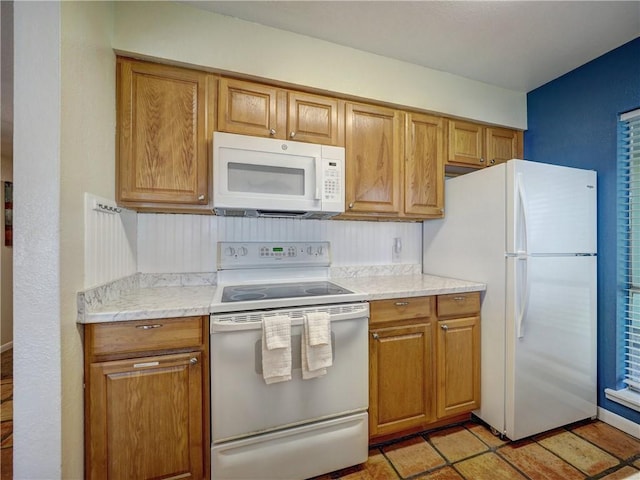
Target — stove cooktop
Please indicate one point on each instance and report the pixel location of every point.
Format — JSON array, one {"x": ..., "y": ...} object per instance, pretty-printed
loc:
[{"x": 257, "y": 292}]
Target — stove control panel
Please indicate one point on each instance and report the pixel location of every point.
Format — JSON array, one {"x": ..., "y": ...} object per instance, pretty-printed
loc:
[{"x": 232, "y": 255}]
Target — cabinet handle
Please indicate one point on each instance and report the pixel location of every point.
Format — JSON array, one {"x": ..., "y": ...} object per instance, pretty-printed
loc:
[
  {"x": 444, "y": 327},
  {"x": 193, "y": 361},
  {"x": 481, "y": 160},
  {"x": 272, "y": 132},
  {"x": 459, "y": 299},
  {"x": 351, "y": 205},
  {"x": 201, "y": 197},
  {"x": 292, "y": 134},
  {"x": 493, "y": 161},
  {"x": 375, "y": 336},
  {"x": 149, "y": 327},
  {"x": 401, "y": 304}
]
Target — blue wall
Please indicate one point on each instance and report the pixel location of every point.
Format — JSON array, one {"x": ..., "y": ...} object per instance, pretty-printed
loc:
[{"x": 572, "y": 121}]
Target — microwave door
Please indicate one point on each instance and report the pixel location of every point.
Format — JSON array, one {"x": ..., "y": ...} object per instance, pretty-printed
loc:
[{"x": 265, "y": 180}]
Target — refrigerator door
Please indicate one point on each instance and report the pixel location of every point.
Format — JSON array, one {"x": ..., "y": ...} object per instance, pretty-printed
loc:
[
  {"x": 550, "y": 209},
  {"x": 550, "y": 343}
]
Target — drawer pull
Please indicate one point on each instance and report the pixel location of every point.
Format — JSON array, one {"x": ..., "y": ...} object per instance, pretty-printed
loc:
[
  {"x": 459, "y": 299},
  {"x": 146, "y": 364},
  {"x": 149, "y": 327},
  {"x": 401, "y": 304},
  {"x": 444, "y": 327}
]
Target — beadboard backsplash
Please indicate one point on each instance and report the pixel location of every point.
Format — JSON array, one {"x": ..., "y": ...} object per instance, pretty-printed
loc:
[
  {"x": 110, "y": 238},
  {"x": 187, "y": 243}
]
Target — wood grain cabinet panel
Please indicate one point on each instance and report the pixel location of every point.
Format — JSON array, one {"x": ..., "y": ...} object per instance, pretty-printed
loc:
[
  {"x": 147, "y": 414},
  {"x": 424, "y": 166},
  {"x": 165, "y": 116},
  {"x": 458, "y": 347},
  {"x": 501, "y": 145},
  {"x": 402, "y": 393},
  {"x": 249, "y": 108},
  {"x": 373, "y": 149},
  {"x": 466, "y": 144}
]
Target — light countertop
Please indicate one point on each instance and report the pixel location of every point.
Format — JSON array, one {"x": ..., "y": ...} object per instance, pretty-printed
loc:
[{"x": 136, "y": 303}]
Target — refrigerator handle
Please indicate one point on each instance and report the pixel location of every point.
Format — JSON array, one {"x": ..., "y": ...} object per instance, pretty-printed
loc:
[
  {"x": 521, "y": 243},
  {"x": 524, "y": 289}
]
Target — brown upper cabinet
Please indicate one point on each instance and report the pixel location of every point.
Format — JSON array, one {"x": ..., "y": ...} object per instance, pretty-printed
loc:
[
  {"x": 165, "y": 120},
  {"x": 249, "y": 108},
  {"x": 394, "y": 163},
  {"x": 373, "y": 160},
  {"x": 474, "y": 145}
]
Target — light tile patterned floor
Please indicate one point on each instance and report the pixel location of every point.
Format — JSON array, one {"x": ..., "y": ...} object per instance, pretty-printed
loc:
[{"x": 586, "y": 450}]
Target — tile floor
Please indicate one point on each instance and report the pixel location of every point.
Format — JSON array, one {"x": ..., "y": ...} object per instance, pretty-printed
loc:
[{"x": 585, "y": 450}]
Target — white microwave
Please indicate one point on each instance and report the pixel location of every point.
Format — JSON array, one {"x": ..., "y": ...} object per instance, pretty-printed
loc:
[{"x": 265, "y": 177}]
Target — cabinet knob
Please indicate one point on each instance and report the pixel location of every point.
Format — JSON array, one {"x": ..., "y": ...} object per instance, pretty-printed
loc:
[
  {"x": 272, "y": 132},
  {"x": 493, "y": 161},
  {"x": 375, "y": 336},
  {"x": 481, "y": 160},
  {"x": 292, "y": 134},
  {"x": 351, "y": 205},
  {"x": 444, "y": 327},
  {"x": 201, "y": 197},
  {"x": 193, "y": 361}
]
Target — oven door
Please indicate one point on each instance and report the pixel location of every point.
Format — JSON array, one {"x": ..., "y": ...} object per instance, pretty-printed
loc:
[{"x": 242, "y": 404}]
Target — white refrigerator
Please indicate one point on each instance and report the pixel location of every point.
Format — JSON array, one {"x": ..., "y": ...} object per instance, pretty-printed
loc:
[{"x": 528, "y": 230}]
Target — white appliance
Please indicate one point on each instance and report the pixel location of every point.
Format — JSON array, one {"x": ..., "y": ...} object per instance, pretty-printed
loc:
[
  {"x": 528, "y": 230},
  {"x": 265, "y": 177},
  {"x": 299, "y": 428}
]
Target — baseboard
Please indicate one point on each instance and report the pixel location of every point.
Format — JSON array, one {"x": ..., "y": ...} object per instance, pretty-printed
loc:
[
  {"x": 6, "y": 346},
  {"x": 619, "y": 422}
]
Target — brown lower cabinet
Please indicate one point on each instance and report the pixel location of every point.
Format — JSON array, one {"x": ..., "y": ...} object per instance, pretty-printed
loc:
[
  {"x": 146, "y": 399},
  {"x": 424, "y": 362}
]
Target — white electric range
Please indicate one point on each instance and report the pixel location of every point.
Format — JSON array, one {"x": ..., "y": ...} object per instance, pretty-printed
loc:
[{"x": 299, "y": 428}]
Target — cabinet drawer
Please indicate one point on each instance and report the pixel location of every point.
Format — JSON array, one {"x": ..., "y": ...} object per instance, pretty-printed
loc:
[
  {"x": 400, "y": 309},
  {"x": 145, "y": 335},
  {"x": 458, "y": 304}
]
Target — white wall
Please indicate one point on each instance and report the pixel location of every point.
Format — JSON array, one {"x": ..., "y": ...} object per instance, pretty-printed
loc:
[
  {"x": 184, "y": 34},
  {"x": 64, "y": 146},
  {"x": 87, "y": 165},
  {"x": 187, "y": 243},
  {"x": 37, "y": 396}
]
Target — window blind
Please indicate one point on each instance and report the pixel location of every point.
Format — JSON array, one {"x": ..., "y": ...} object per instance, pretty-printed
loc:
[{"x": 629, "y": 243}]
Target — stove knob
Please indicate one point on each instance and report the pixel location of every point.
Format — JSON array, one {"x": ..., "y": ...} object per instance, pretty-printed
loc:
[
  {"x": 320, "y": 251},
  {"x": 230, "y": 251},
  {"x": 310, "y": 250},
  {"x": 242, "y": 251}
]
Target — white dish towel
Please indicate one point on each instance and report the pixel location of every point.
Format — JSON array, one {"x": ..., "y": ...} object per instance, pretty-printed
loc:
[
  {"x": 276, "y": 348},
  {"x": 316, "y": 345}
]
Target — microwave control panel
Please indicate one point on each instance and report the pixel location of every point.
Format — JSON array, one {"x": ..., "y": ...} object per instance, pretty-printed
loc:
[{"x": 332, "y": 182}]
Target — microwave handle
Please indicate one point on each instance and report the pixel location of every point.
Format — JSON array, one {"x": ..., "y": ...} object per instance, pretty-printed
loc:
[{"x": 318, "y": 164}]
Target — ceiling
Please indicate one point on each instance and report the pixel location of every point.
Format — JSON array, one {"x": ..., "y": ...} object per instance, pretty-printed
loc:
[{"x": 518, "y": 45}]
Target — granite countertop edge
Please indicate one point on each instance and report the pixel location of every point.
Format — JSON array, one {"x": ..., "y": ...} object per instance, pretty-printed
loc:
[{"x": 143, "y": 301}]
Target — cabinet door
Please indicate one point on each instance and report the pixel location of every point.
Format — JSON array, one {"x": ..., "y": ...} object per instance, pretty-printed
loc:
[
  {"x": 424, "y": 166},
  {"x": 465, "y": 144},
  {"x": 373, "y": 153},
  {"x": 458, "y": 366},
  {"x": 250, "y": 108},
  {"x": 401, "y": 389},
  {"x": 315, "y": 119},
  {"x": 502, "y": 145},
  {"x": 164, "y": 114},
  {"x": 146, "y": 418}
]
